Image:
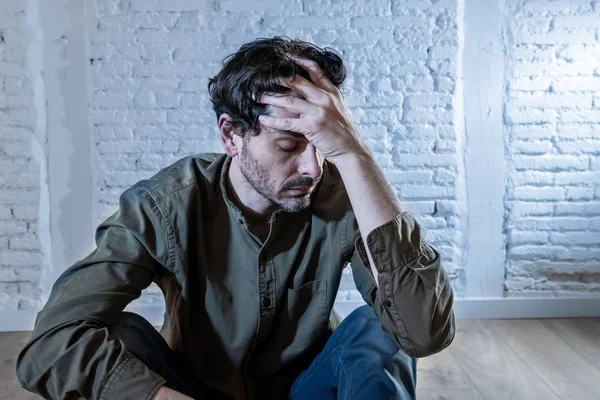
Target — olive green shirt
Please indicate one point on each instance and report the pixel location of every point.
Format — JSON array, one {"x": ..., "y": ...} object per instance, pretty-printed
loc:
[{"x": 249, "y": 316}]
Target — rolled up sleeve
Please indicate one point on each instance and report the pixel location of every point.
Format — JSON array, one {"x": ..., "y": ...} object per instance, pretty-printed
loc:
[
  {"x": 414, "y": 301},
  {"x": 70, "y": 353}
]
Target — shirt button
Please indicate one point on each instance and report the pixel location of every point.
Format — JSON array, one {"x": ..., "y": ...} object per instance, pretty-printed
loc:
[
  {"x": 241, "y": 221},
  {"x": 266, "y": 302},
  {"x": 387, "y": 303}
]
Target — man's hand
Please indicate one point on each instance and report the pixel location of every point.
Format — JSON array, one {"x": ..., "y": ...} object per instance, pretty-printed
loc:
[
  {"x": 323, "y": 118},
  {"x": 164, "y": 393}
]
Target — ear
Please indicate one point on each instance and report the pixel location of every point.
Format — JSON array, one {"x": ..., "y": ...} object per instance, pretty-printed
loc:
[{"x": 229, "y": 138}]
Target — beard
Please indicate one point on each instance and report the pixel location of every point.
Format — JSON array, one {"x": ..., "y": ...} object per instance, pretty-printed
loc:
[{"x": 260, "y": 180}]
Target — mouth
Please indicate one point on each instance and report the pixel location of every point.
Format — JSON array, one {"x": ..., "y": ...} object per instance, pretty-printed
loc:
[{"x": 298, "y": 191}]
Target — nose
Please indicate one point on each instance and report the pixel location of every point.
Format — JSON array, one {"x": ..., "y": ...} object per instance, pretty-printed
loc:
[{"x": 311, "y": 162}]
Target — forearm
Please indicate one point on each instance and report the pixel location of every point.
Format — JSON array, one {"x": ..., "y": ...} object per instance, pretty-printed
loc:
[
  {"x": 164, "y": 393},
  {"x": 373, "y": 199}
]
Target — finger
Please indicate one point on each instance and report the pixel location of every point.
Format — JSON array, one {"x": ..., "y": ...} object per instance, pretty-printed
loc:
[
  {"x": 283, "y": 124},
  {"x": 315, "y": 72},
  {"x": 291, "y": 103},
  {"x": 306, "y": 89}
]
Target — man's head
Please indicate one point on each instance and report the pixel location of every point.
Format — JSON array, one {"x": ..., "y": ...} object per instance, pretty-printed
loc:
[{"x": 273, "y": 163}]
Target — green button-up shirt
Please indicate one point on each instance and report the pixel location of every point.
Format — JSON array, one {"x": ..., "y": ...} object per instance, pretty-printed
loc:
[{"x": 249, "y": 316}]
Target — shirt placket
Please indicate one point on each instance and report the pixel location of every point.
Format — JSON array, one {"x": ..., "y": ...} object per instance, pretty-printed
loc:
[{"x": 267, "y": 302}]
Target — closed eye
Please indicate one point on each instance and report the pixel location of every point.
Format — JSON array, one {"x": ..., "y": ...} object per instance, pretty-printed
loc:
[{"x": 287, "y": 145}]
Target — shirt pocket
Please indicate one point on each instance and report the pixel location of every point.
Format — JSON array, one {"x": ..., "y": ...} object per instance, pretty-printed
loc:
[{"x": 306, "y": 312}]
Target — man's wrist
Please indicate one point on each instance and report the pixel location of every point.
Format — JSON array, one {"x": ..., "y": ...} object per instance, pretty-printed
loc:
[{"x": 353, "y": 159}]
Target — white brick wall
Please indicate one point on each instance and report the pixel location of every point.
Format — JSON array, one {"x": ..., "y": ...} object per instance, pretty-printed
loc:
[
  {"x": 553, "y": 139},
  {"x": 20, "y": 251},
  {"x": 150, "y": 61},
  {"x": 150, "y": 105}
]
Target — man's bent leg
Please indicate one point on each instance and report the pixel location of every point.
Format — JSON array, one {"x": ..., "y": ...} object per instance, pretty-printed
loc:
[
  {"x": 359, "y": 361},
  {"x": 144, "y": 342}
]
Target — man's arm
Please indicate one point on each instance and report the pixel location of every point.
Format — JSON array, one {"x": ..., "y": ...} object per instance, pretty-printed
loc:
[
  {"x": 409, "y": 291},
  {"x": 70, "y": 353},
  {"x": 397, "y": 272}
]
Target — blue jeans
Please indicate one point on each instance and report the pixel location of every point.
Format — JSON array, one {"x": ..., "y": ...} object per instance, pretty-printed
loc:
[{"x": 359, "y": 361}]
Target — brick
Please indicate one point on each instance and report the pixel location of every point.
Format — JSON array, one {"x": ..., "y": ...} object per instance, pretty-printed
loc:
[
  {"x": 103, "y": 99},
  {"x": 25, "y": 212},
  {"x": 23, "y": 116},
  {"x": 574, "y": 238},
  {"x": 557, "y": 37},
  {"x": 351, "y": 8},
  {"x": 533, "y": 147},
  {"x": 533, "y": 131},
  {"x": 415, "y": 147},
  {"x": 577, "y": 84},
  {"x": 410, "y": 160},
  {"x": 15, "y": 133},
  {"x": 530, "y": 208},
  {"x": 538, "y": 193},
  {"x": 446, "y": 208},
  {"x": 533, "y": 52},
  {"x": 137, "y": 146},
  {"x": 576, "y": 21},
  {"x": 121, "y": 178},
  {"x": 25, "y": 242},
  {"x": 427, "y": 115},
  {"x": 20, "y": 258},
  {"x": 536, "y": 252},
  {"x": 28, "y": 274},
  {"x": 172, "y": 5},
  {"x": 409, "y": 176},
  {"x": 426, "y": 191},
  {"x": 579, "y": 146},
  {"x": 558, "y": 7},
  {"x": 428, "y": 100},
  {"x": 577, "y": 130},
  {"x": 445, "y": 146},
  {"x": 530, "y": 83},
  {"x": 552, "y": 100},
  {"x": 430, "y": 222},
  {"x": 12, "y": 227},
  {"x": 19, "y": 196},
  {"x": 531, "y": 116},
  {"x": 551, "y": 163},
  {"x": 555, "y": 223},
  {"x": 445, "y": 176},
  {"x": 577, "y": 178},
  {"x": 23, "y": 181},
  {"x": 573, "y": 208},
  {"x": 554, "y": 69},
  {"x": 419, "y": 207},
  {"x": 527, "y": 237},
  {"x": 532, "y": 177},
  {"x": 579, "y": 193},
  {"x": 580, "y": 116}
]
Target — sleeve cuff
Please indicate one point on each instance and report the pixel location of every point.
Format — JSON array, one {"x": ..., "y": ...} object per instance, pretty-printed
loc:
[
  {"x": 131, "y": 379},
  {"x": 395, "y": 244}
]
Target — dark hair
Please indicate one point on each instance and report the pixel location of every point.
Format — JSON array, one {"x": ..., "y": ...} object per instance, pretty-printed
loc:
[{"x": 255, "y": 68}]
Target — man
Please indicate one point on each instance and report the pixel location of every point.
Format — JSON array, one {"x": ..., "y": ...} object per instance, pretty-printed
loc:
[{"x": 248, "y": 248}]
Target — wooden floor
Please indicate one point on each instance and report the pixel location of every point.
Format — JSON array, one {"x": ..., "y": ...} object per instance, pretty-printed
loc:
[{"x": 490, "y": 359}]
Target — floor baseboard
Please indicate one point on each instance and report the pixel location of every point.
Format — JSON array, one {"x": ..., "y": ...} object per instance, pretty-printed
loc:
[{"x": 476, "y": 308}]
